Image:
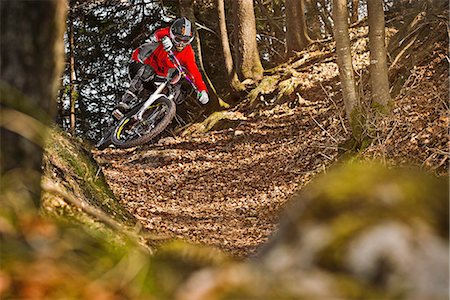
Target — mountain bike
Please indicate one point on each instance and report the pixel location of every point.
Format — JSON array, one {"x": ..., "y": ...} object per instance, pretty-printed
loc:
[{"x": 149, "y": 118}]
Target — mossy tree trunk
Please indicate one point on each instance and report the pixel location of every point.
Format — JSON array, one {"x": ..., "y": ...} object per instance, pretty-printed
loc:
[
  {"x": 227, "y": 56},
  {"x": 32, "y": 59},
  {"x": 297, "y": 37},
  {"x": 344, "y": 60},
  {"x": 246, "y": 51},
  {"x": 379, "y": 81}
]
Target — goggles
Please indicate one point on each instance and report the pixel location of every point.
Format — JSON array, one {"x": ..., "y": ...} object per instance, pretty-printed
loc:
[{"x": 180, "y": 40}]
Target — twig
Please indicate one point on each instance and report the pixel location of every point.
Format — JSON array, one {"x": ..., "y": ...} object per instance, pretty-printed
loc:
[
  {"x": 272, "y": 38},
  {"x": 391, "y": 132},
  {"x": 429, "y": 158},
  {"x": 441, "y": 163},
  {"x": 326, "y": 156},
  {"x": 328, "y": 96},
  {"x": 323, "y": 129},
  {"x": 201, "y": 26},
  {"x": 400, "y": 54},
  {"x": 438, "y": 151},
  {"x": 98, "y": 172}
]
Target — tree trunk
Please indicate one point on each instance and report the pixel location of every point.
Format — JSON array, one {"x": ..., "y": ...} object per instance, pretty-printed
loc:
[
  {"x": 72, "y": 93},
  {"x": 31, "y": 59},
  {"x": 381, "y": 99},
  {"x": 247, "y": 56},
  {"x": 228, "y": 58},
  {"x": 325, "y": 16},
  {"x": 355, "y": 10},
  {"x": 313, "y": 19},
  {"x": 187, "y": 10},
  {"x": 277, "y": 8},
  {"x": 296, "y": 31},
  {"x": 344, "y": 61}
]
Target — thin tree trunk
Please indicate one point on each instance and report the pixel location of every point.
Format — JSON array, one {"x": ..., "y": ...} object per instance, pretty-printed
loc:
[
  {"x": 381, "y": 99},
  {"x": 247, "y": 56},
  {"x": 344, "y": 61},
  {"x": 355, "y": 10},
  {"x": 326, "y": 17},
  {"x": 72, "y": 93},
  {"x": 275, "y": 28},
  {"x": 228, "y": 58},
  {"x": 277, "y": 7},
  {"x": 187, "y": 10},
  {"x": 313, "y": 19},
  {"x": 296, "y": 31},
  {"x": 31, "y": 62}
]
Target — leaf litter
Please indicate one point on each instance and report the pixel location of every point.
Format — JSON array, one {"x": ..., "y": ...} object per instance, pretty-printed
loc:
[{"x": 226, "y": 188}]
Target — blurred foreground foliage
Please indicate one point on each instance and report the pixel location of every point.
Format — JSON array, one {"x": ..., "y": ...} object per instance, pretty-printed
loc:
[{"x": 360, "y": 231}]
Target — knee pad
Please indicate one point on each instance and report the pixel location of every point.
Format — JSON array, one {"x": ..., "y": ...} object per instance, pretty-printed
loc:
[{"x": 136, "y": 85}]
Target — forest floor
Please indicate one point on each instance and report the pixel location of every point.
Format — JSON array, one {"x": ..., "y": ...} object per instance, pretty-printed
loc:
[{"x": 226, "y": 187}]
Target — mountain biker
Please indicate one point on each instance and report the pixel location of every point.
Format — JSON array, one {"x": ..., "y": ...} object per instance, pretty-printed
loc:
[{"x": 152, "y": 59}]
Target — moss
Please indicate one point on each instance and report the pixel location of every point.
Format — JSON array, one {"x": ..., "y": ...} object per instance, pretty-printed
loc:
[
  {"x": 378, "y": 108},
  {"x": 67, "y": 163},
  {"x": 357, "y": 124},
  {"x": 287, "y": 87},
  {"x": 368, "y": 190},
  {"x": 267, "y": 86}
]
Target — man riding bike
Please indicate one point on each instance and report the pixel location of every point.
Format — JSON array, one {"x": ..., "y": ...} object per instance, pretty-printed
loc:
[{"x": 152, "y": 59}]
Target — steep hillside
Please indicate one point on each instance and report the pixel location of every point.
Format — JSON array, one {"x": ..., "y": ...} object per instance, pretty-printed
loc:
[{"x": 74, "y": 187}]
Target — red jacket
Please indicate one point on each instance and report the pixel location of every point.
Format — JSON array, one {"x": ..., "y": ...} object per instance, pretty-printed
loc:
[{"x": 160, "y": 62}]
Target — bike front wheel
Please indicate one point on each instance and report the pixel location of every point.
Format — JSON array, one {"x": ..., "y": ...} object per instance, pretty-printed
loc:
[{"x": 130, "y": 132}]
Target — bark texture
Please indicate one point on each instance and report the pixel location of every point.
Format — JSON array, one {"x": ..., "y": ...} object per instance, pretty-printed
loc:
[
  {"x": 31, "y": 63},
  {"x": 379, "y": 80},
  {"x": 227, "y": 56},
  {"x": 344, "y": 61},
  {"x": 355, "y": 10},
  {"x": 247, "y": 56},
  {"x": 72, "y": 93},
  {"x": 297, "y": 37}
]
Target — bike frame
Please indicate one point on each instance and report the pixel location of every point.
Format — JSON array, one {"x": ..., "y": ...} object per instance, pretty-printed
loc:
[{"x": 153, "y": 97}]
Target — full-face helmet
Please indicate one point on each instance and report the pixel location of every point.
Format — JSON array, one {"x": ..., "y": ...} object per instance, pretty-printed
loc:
[{"x": 181, "y": 33}]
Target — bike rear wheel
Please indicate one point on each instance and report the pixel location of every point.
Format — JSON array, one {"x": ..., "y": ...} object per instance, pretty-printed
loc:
[{"x": 131, "y": 133}]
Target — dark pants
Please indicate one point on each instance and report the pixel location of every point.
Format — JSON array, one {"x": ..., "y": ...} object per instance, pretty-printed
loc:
[{"x": 140, "y": 78}]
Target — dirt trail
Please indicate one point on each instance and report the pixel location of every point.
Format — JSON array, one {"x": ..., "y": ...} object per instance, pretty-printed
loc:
[{"x": 225, "y": 188}]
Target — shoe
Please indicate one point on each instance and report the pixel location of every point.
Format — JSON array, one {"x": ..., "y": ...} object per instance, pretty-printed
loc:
[{"x": 123, "y": 107}]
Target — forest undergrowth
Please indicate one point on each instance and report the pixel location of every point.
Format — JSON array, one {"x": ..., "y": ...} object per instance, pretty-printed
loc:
[{"x": 225, "y": 181}]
